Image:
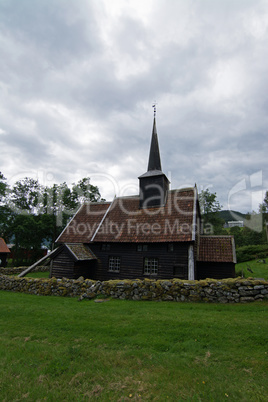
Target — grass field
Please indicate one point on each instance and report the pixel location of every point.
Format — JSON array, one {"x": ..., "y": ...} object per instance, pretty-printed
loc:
[
  {"x": 37, "y": 275},
  {"x": 59, "y": 349},
  {"x": 253, "y": 269}
]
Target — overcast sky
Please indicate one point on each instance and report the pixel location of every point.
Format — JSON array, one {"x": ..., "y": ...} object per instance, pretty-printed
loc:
[{"x": 78, "y": 79}]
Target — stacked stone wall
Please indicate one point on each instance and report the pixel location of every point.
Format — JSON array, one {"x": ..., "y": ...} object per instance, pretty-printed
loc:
[
  {"x": 18, "y": 270},
  {"x": 209, "y": 290}
]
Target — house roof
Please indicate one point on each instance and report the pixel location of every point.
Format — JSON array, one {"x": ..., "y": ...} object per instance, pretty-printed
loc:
[
  {"x": 84, "y": 223},
  {"x": 123, "y": 220},
  {"x": 217, "y": 249},
  {"x": 3, "y": 246},
  {"x": 80, "y": 251}
]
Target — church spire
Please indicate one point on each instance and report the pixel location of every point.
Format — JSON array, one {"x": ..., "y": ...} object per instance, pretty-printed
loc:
[
  {"x": 154, "y": 156},
  {"x": 154, "y": 184}
]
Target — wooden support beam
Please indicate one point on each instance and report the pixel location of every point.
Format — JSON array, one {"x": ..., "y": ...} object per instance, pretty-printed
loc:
[{"x": 29, "y": 269}]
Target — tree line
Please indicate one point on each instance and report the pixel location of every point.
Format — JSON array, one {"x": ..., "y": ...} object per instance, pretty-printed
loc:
[{"x": 33, "y": 215}]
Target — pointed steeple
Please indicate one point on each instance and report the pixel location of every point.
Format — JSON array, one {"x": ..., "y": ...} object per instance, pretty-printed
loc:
[
  {"x": 154, "y": 156},
  {"x": 154, "y": 184}
]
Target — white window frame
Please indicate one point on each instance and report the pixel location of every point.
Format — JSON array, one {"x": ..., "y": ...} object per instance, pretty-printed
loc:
[
  {"x": 114, "y": 264},
  {"x": 150, "y": 266}
]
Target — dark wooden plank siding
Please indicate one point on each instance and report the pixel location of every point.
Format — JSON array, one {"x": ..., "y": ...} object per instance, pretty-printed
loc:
[
  {"x": 63, "y": 265},
  {"x": 216, "y": 270},
  {"x": 85, "y": 268},
  {"x": 132, "y": 261}
]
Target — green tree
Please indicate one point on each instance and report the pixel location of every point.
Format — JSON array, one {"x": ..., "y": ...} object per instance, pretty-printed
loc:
[
  {"x": 208, "y": 202},
  {"x": 5, "y": 212},
  {"x": 32, "y": 215},
  {"x": 3, "y": 188},
  {"x": 61, "y": 203},
  {"x": 26, "y": 196},
  {"x": 85, "y": 191},
  {"x": 263, "y": 208},
  {"x": 237, "y": 232},
  {"x": 28, "y": 236},
  {"x": 210, "y": 207}
]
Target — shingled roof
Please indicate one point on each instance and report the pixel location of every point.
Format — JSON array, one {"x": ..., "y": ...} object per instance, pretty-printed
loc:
[
  {"x": 217, "y": 249},
  {"x": 123, "y": 220},
  {"x": 84, "y": 223},
  {"x": 3, "y": 246},
  {"x": 81, "y": 252}
]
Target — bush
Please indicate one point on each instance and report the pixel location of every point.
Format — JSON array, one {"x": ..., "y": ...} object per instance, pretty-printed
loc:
[{"x": 247, "y": 253}]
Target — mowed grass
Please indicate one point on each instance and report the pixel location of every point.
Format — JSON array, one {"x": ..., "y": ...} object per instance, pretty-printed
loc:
[
  {"x": 253, "y": 268},
  {"x": 38, "y": 274},
  {"x": 59, "y": 349}
]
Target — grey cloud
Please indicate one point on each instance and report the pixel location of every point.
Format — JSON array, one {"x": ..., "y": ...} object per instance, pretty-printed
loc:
[{"x": 73, "y": 102}]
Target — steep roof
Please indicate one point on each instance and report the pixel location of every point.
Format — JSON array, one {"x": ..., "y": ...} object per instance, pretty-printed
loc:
[
  {"x": 154, "y": 156},
  {"x": 123, "y": 221},
  {"x": 217, "y": 249},
  {"x": 3, "y": 246},
  {"x": 84, "y": 223}
]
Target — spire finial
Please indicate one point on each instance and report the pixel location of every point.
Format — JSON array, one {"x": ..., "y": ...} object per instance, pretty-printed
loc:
[{"x": 154, "y": 106}]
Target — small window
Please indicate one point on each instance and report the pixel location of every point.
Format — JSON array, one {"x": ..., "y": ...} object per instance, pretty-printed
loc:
[
  {"x": 142, "y": 247},
  {"x": 170, "y": 247},
  {"x": 150, "y": 266},
  {"x": 114, "y": 264},
  {"x": 105, "y": 247}
]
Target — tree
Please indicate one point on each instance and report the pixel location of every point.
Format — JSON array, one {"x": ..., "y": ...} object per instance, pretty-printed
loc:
[
  {"x": 26, "y": 196},
  {"x": 208, "y": 202},
  {"x": 32, "y": 215},
  {"x": 263, "y": 208},
  {"x": 5, "y": 212},
  {"x": 61, "y": 203},
  {"x": 3, "y": 188},
  {"x": 28, "y": 236},
  {"x": 86, "y": 192},
  {"x": 210, "y": 207}
]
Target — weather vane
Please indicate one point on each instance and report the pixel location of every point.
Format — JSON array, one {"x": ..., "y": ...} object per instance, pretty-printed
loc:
[{"x": 154, "y": 106}]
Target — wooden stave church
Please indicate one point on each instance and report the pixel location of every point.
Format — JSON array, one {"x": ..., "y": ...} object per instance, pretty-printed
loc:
[{"x": 156, "y": 234}]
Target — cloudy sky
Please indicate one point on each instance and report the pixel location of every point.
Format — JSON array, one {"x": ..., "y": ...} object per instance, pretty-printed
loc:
[{"x": 78, "y": 79}]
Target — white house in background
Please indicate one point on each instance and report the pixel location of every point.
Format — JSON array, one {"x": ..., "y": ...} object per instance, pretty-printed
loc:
[{"x": 232, "y": 224}]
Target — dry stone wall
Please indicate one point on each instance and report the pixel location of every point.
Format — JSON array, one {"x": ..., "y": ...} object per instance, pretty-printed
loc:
[
  {"x": 18, "y": 270},
  {"x": 209, "y": 290}
]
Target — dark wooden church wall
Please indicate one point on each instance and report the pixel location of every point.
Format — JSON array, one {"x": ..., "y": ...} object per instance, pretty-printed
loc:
[
  {"x": 63, "y": 266},
  {"x": 216, "y": 270},
  {"x": 85, "y": 269},
  {"x": 132, "y": 261}
]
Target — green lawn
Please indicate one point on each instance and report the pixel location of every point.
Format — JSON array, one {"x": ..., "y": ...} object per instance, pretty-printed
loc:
[
  {"x": 259, "y": 269},
  {"x": 37, "y": 275},
  {"x": 59, "y": 349}
]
